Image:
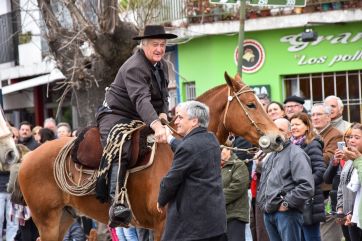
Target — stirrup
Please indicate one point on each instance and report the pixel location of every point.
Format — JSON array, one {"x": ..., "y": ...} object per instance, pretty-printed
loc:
[{"x": 119, "y": 215}]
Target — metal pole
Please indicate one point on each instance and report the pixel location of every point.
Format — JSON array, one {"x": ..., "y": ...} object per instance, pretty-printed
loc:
[
  {"x": 1, "y": 99},
  {"x": 241, "y": 37}
]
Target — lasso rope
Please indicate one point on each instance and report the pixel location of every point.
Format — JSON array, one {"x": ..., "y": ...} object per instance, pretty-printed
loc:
[
  {"x": 251, "y": 150},
  {"x": 64, "y": 177}
]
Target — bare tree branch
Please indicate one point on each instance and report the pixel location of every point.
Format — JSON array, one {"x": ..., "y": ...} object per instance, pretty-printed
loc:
[
  {"x": 52, "y": 22},
  {"x": 76, "y": 13},
  {"x": 74, "y": 38},
  {"x": 108, "y": 15}
]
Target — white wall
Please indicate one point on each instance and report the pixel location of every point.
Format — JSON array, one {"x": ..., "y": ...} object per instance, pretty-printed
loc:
[
  {"x": 30, "y": 53},
  {"x": 5, "y": 6},
  {"x": 18, "y": 100}
]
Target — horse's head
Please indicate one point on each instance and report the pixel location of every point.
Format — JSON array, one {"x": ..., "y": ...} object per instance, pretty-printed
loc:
[
  {"x": 8, "y": 151},
  {"x": 245, "y": 116}
]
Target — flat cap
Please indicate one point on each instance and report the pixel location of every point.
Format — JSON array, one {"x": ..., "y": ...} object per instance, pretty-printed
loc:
[{"x": 294, "y": 98}]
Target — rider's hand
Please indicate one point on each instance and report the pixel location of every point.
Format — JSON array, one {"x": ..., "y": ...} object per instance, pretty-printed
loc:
[
  {"x": 159, "y": 208},
  {"x": 160, "y": 132}
]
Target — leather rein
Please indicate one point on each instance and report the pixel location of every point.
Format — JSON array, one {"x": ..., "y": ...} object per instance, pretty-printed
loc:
[{"x": 168, "y": 124}]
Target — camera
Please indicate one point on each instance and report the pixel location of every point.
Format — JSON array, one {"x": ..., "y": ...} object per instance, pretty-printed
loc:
[{"x": 309, "y": 35}]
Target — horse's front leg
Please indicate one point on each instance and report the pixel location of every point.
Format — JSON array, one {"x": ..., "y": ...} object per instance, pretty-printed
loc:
[{"x": 158, "y": 231}]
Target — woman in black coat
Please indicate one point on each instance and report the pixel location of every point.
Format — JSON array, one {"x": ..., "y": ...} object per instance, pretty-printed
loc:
[{"x": 304, "y": 136}]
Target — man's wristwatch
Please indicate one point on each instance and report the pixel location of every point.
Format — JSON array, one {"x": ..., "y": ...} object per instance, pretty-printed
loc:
[{"x": 284, "y": 204}]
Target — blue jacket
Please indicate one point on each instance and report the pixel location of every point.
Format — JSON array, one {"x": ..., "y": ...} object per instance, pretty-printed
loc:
[
  {"x": 315, "y": 152},
  {"x": 75, "y": 233}
]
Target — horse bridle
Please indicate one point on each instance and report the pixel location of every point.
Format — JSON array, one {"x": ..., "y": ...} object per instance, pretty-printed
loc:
[{"x": 231, "y": 97}]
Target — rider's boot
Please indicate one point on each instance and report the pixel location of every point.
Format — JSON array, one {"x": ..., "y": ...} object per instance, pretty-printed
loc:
[{"x": 119, "y": 214}]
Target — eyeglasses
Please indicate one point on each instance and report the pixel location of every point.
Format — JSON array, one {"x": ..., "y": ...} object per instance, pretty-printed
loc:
[{"x": 290, "y": 106}]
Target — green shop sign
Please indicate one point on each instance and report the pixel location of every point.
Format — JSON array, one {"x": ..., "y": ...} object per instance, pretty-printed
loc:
[{"x": 305, "y": 56}]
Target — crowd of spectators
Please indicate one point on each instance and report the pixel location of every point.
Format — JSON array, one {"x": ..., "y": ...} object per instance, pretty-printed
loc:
[{"x": 307, "y": 191}]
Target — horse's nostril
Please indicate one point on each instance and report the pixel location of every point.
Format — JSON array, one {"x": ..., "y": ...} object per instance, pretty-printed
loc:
[
  {"x": 9, "y": 156},
  {"x": 279, "y": 140}
]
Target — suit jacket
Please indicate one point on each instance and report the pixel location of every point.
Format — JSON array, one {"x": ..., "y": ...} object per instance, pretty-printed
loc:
[
  {"x": 139, "y": 91},
  {"x": 330, "y": 136},
  {"x": 193, "y": 189}
]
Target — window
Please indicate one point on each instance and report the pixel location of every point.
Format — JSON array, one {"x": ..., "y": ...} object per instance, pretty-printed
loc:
[
  {"x": 314, "y": 88},
  {"x": 190, "y": 91}
]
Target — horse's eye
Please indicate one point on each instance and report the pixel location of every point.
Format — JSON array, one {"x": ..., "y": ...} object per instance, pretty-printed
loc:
[{"x": 251, "y": 106}]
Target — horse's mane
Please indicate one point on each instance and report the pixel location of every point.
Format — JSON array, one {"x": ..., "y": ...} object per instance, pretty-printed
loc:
[{"x": 210, "y": 92}]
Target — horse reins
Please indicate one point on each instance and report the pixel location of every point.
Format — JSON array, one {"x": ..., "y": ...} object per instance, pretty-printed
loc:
[
  {"x": 168, "y": 124},
  {"x": 236, "y": 96}
]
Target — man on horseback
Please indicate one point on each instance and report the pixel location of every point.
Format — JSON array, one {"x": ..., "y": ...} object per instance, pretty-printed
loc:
[{"x": 139, "y": 92}]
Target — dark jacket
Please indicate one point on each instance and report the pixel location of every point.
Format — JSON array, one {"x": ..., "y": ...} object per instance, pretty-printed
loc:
[
  {"x": 136, "y": 93},
  {"x": 4, "y": 179},
  {"x": 193, "y": 189},
  {"x": 330, "y": 136},
  {"x": 29, "y": 142},
  {"x": 315, "y": 153},
  {"x": 286, "y": 173},
  {"x": 235, "y": 180},
  {"x": 332, "y": 176}
]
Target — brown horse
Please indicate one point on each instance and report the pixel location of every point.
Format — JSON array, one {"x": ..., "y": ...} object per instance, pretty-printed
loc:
[
  {"x": 233, "y": 108},
  {"x": 8, "y": 152}
]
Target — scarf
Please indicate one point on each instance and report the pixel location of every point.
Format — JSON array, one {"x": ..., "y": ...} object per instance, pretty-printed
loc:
[{"x": 298, "y": 141}]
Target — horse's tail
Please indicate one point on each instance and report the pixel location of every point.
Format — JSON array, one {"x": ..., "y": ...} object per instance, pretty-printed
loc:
[
  {"x": 13, "y": 185},
  {"x": 17, "y": 196}
]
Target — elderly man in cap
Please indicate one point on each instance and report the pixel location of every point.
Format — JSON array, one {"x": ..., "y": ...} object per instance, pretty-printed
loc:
[
  {"x": 139, "y": 92},
  {"x": 292, "y": 105}
]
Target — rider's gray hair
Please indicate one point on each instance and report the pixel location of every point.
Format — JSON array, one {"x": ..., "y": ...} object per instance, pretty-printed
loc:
[{"x": 196, "y": 109}]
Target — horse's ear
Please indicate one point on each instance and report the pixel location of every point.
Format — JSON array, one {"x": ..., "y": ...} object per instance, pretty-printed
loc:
[{"x": 232, "y": 83}]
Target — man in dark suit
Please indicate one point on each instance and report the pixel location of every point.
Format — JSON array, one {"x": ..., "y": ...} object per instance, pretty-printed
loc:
[
  {"x": 193, "y": 186},
  {"x": 139, "y": 92}
]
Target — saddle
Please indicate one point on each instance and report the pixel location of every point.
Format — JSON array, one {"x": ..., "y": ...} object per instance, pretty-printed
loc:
[{"x": 87, "y": 150}]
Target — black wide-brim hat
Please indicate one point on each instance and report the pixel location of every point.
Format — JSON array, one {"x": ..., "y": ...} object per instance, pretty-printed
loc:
[{"x": 155, "y": 32}]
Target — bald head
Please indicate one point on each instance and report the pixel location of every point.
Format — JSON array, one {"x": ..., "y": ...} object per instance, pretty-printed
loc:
[{"x": 283, "y": 126}]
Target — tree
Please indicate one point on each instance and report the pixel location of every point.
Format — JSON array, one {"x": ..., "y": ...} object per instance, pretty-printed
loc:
[{"x": 89, "y": 43}]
